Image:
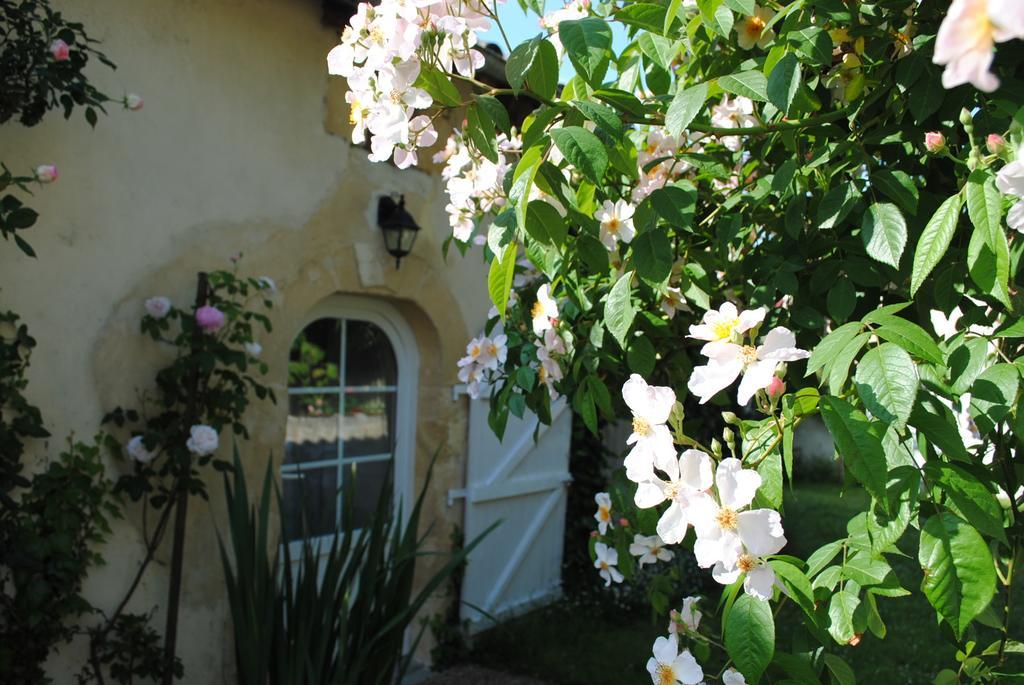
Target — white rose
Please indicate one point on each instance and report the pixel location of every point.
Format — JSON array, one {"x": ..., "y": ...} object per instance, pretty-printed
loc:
[
  {"x": 253, "y": 348},
  {"x": 203, "y": 440},
  {"x": 133, "y": 102},
  {"x": 158, "y": 307},
  {"x": 137, "y": 450}
]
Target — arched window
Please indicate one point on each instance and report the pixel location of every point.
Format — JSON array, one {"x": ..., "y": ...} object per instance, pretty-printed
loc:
[{"x": 349, "y": 418}]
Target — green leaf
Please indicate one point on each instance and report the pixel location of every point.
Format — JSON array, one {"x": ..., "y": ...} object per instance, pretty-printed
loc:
[
  {"x": 652, "y": 253},
  {"x": 641, "y": 356},
  {"x": 985, "y": 207},
  {"x": 840, "y": 369},
  {"x": 621, "y": 100},
  {"x": 886, "y": 381},
  {"x": 784, "y": 82},
  {"x": 438, "y": 86},
  {"x": 500, "y": 276},
  {"x": 545, "y": 224},
  {"x": 496, "y": 111},
  {"x": 884, "y": 232},
  {"x": 841, "y": 300},
  {"x": 618, "y": 309},
  {"x": 587, "y": 43},
  {"x": 670, "y": 15},
  {"x": 796, "y": 584},
  {"x": 648, "y": 16},
  {"x": 938, "y": 424},
  {"x": 686, "y": 104},
  {"x": 990, "y": 269},
  {"x": 959, "y": 576},
  {"x": 751, "y": 84},
  {"x": 746, "y": 7},
  {"x": 909, "y": 336},
  {"x": 750, "y": 636},
  {"x": 836, "y": 205},
  {"x": 675, "y": 205},
  {"x": 841, "y": 672},
  {"x": 840, "y": 612},
  {"x": 605, "y": 117},
  {"x": 522, "y": 181},
  {"x": 898, "y": 187},
  {"x": 659, "y": 49},
  {"x": 480, "y": 129},
  {"x": 822, "y": 556},
  {"x": 519, "y": 62},
  {"x": 973, "y": 500},
  {"x": 542, "y": 77},
  {"x": 993, "y": 395},
  {"x": 830, "y": 345},
  {"x": 857, "y": 444},
  {"x": 583, "y": 150}
]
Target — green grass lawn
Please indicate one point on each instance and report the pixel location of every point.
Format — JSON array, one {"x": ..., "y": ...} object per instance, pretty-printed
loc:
[{"x": 570, "y": 646}]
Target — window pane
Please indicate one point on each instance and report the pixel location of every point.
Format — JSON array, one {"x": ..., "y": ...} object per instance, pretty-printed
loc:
[
  {"x": 316, "y": 355},
  {"x": 312, "y": 493},
  {"x": 368, "y": 479},
  {"x": 369, "y": 359},
  {"x": 312, "y": 430},
  {"x": 367, "y": 427}
]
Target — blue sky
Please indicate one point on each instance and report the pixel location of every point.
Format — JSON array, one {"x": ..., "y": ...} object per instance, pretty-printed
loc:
[{"x": 520, "y": 26}]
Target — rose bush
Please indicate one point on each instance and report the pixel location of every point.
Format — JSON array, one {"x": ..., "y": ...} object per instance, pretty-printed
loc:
[{"x": 835, "y": 173}]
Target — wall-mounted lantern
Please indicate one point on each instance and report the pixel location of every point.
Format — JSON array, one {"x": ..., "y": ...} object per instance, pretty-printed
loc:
[{"x": 398, "y": 226}]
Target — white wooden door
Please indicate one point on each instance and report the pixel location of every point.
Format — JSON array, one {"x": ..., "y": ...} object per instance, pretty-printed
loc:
[{"x": 523, "y": 484}]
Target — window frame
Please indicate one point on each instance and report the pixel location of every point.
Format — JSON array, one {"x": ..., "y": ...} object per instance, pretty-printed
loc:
[{"x": 386, "y": 317}]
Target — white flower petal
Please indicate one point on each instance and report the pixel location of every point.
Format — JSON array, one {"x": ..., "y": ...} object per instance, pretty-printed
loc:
[
  {"x": 761, "y": 531},
  {"x": 736, "y": 485},
  {"x": 760, "y": 582}
]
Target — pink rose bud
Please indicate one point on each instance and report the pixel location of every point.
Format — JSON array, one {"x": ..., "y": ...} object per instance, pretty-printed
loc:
[
  {"x": 995, "y": 143},
  {"x": 60, "y": 51},
  {"x": 593, "y": 533},
  {"x": 133, "y": 102},
  {"x": 934, "y": 141},
  {"x": 776, "y": 387},
  {"x": 210, "y": 319},
  {"x": 46, "y": 173},
  {"x": 624, "y": 522}
]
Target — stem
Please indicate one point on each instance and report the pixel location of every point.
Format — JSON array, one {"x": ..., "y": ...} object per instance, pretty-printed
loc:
[{"x": 181, "y": 505}]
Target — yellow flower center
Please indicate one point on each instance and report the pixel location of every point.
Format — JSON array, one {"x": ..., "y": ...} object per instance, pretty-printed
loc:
[
  {"x": 356, "y": 113},
  {"x": 538, "y": 309},
  {"x": 672, "y": 490},
  {"x": 748, "y": 354},
  {"x": 727, "y": 519},
  {"x": 396, "y": 96},
  {"x": 665, "y": 674},
  {"x": 641, "y": 427},
  {"x": 612, "y": 225},
  {"x": 604, "y": 565},
  {"x": 377, "y": 35},
  {"x": 723, "y": 328},
  {"x": 754, "y": 26},
  {"x": 746, "y": 563},
  {"x": 492, "y": 350},
  {"x": 604, "y": 513},
  {"x": 542, "y": 373}
]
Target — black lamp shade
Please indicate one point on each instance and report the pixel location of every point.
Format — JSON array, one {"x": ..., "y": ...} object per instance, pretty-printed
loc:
[{"x": 398, "y": 226}]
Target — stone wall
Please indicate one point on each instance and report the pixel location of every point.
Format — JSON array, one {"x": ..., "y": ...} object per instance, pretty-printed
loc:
[{"x": 238, "y": 148}]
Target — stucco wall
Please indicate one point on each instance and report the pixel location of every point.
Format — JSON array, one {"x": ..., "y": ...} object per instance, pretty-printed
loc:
[{"x": 233, "y": 152}]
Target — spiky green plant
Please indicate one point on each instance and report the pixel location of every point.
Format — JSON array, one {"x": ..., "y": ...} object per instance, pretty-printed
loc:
[{"x": 338, "y": 611}]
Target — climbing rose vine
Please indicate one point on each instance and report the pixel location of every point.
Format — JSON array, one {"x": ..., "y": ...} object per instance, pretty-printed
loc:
[{"x": 735, "y": 217}]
